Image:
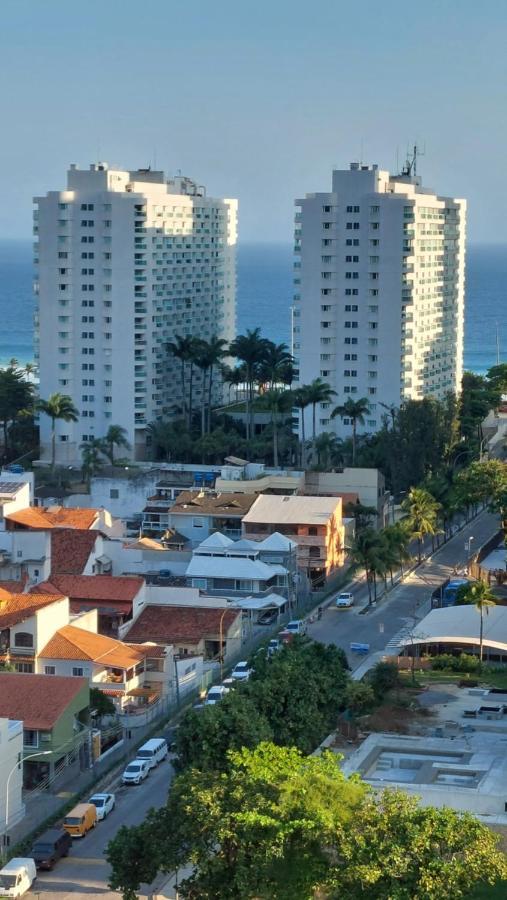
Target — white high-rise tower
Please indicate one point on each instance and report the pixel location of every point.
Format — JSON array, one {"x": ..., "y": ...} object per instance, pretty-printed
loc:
[
  {"x": 379, "y": 291},
  {"x": 125, "y": 261}
]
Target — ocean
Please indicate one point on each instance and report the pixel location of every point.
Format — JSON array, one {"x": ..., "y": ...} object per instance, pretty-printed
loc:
[{"x": 264, "y": 297}]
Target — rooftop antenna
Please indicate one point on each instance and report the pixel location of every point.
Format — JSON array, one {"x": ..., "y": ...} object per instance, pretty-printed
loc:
[
  {"x": 410, "y": 167},
  {"x": 361, "y": 152}
]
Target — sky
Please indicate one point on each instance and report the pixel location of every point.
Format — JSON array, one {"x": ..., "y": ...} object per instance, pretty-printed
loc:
[{"x": 257, "y": 99}]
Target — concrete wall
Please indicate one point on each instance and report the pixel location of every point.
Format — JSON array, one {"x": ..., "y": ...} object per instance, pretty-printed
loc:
[
  {"x": 42, "y": 626},
  {"x": 11, "y": 750}
]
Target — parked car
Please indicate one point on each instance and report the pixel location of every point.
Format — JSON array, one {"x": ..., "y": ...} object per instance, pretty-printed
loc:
[
  {"x": 286, "y": 636},
  {"x": 241, "y": 671},
  {"x": 344, "y": 600},
  {"x": 50, "y": 847},
  {"x": 80, "y": 819},
  {"x": 17, "y": 876},
  {"x": 273, "y": 646},
  {"x": 296, "y": 626},
  {"x": 136, "y": 771},
  {"x": 153, "y": 751},
  {"x": 268, "y": 617},
  {"x": 215, "y": 694},
  {"x": 104, "y": 804}
]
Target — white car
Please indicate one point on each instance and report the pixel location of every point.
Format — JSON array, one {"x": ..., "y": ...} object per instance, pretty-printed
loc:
[
  {"x": 215, "y": 694},
  {"x": 297, "y": 626},
  {"x": 344, "y": 600},
  {"x": 136, "y": 771},
  {"x": 241, "y": 671},
  {"x": 104, "y": 804},
  {"x": 273, "y": 646}
]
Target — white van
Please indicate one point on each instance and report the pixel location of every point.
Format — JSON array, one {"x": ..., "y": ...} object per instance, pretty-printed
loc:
[
  {"x": 153, "y": 751},
  {"x": 17, "y": 876}
]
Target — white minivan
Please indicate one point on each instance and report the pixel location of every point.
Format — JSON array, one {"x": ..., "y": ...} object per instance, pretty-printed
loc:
[
  {"x": 153, "y": 751},
  {"x": 17, "y": 877}
]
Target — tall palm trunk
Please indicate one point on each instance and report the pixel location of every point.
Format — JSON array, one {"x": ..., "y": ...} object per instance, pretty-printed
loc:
[
  {"x": 190, "y": 394},
  {"x": 183, "y": 398},
  {"x": 481, "y": 636},
  {"x": 303, "y": 439},
  {"x": 203, "y": 403},
  {"x": 314, "y": 424},
  {"x": 354, "y": 426},
  {"x": 274, "y": 421},
  {"x": 210, "y": 385},
  {"x": 53, "y": 444}
]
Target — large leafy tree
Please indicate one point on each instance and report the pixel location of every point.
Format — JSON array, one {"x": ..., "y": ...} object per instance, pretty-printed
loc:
[
  {"x": 480, "y": 595},
  {"x": 355, "y": 410},
  {"x": 59, "y": 407},
  {"x": 421, "y": 515},
  {"x": 483, "y": 482},
  {"x": 170, "y": 440},
  {"x": 16, "y": 398},
  {"x": 277, "y": 825}
]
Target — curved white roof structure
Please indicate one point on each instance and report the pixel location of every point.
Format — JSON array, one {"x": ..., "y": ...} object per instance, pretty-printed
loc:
[{"x": 460, "y": 625}]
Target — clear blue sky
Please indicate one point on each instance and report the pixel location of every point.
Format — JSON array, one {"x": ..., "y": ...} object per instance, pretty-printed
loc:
[{"x": 258, "y": 100}]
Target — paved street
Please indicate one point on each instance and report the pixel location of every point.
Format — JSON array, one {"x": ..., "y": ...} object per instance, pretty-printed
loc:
[
  {"x": 85, "y": 873},
  {"x": 409, "y": 601}
]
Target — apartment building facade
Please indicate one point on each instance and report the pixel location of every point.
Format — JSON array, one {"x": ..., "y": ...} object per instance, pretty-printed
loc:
[
  {"x": 125, "y": 260},
  {"x": 378, "y": 292}
]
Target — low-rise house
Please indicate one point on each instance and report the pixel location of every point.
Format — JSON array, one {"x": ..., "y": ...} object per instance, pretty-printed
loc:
[
  {"x": 40, "y": 518},
  {"x": 117, "y": 598},
  {"x": 54, "y": 712},
  {"x": 78, "y": 552},
  {"x": 352, "y": 484},
  {"x": 190, "y": 630},
  {"x": 12, "y": 808},
  {"x": 197, "y": 514},
  {"x": 15, "y": 494},
  {"x": 130, "y": 674},
  {"x": 27, "y": 621},
  {"x": 227, "y": 568},
  {"x": 315, "y": 524}
]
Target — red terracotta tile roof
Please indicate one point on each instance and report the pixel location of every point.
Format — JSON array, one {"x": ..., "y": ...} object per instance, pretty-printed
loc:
[
  {"x": 226, "y": 504},
  {"x": 54, "y": 517},
  {"x": 70, "y": 550},
  {"x": 38, "y": 700},
  {"x": 101, "y": 588},
  {"x": 170, "y": 624},
  {"x": 16, "y": 608},
  {"x": 71, "y": 642},
  {"x": 12, "y": 587}
]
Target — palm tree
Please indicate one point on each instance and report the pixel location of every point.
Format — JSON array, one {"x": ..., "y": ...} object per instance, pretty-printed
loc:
[
  {"x": 250, "y": 349},
  {"x": 90, "y": 455},
  {"x": 327, "y": 447},
  {"x": 30, "y": 369},
  {"x": 397, "y": 541},
  {"x": 116, "y": 437},
  {"x": 181, "y": 348},
  {"x": 421, "y": 515},
  {"x": 16, "y": 398},
  {"x": 278, "y": 402},
  {"x": 301, "y": 400},
  {"x": 355, "y": 410},
  {"x": 368, "y": 551},
  {"x": 318, "y": 391},
  {"x": 58, "y": 406},
  {"x": 217, "y": 350},
  {"x": 480, "y": 595},
  {"x": 275, "y": 364}
]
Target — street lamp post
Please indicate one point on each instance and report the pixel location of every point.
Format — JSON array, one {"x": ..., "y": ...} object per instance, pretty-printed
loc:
[{"x": 11, "y": 773}]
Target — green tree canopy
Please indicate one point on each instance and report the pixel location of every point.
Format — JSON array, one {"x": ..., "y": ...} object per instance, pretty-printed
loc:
[{"x": 277, "y": 825}]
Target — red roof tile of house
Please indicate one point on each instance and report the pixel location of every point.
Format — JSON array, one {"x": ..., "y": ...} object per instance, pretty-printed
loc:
[
  {"x": 71, "y": 642},
  {"x": 170, "y": 624},
  {"x": 122, "y": 588},
  {"x": 54, "y": 517},
  {"x": 12, "y": 587},
  {"x": 38, "y": 700},
  {"x": 70, "y": 550},
  {"x": 16, "y": 608}
]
